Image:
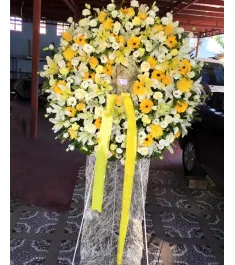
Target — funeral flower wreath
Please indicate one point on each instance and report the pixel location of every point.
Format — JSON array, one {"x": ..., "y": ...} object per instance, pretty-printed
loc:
[{"x": 148, "y": 56}]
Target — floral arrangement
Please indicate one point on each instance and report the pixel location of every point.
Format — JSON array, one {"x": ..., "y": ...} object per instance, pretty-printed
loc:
[{"x": 165, "y": 90}]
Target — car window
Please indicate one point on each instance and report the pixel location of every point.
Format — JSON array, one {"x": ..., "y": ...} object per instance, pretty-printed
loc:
[
  {"x": 216, "y": 101},
  {"x": 213, "y": 74}
]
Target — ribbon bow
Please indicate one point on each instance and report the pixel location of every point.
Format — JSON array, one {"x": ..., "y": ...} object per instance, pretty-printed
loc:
[{"x": 101, "y": 163}]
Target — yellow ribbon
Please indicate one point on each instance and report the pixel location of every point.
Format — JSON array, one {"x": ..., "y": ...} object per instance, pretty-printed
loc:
[{"x": 101, "y": 163}]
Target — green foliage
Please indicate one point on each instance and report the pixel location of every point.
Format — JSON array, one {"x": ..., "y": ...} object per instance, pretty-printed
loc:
[{"x": 220, "y": 40}]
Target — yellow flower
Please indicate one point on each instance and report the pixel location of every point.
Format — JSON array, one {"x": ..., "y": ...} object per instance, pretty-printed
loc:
[
  {"x": 133, "y": 42},
  {"x": 148, "y": 141},
  {"x": 102, "y": 16},
  {"x": 177, "y": 135},
  {"x": 185, "y": 67},
  {"x": 56, "y": 87},
  {"x": 70, "y": 66},
  {"x": 121, "y": 40},
  {"x": 69, "y": 54},
  {"x": 166, "y": 80},
  {"x": 184, "y": 85},
  {"x": 72, "y": 111},
  {"x": 73, "y": 133},
  {"x": 152, "y": 62},
  {"x": 142, "y": 15},
  {"x": 130, "y": 12},
  {"x": 181, "y": 106},
  {"x": 89, "y": 76},
  {"x": 169, "y": 29},
  {"x": 93, "y": 61},
  {"x": 146, "y": 105},
  {"x": 136, "y": 21},
  {"x": 52, "y": 67},
  {"x": 108, "y": 24},
  {"x": 156, "y": 131},
  {"x": 171, "y": 41},
  {"x": 174, "y": 52},
  {"x": 118, "y": 100},
  {"x": 158, "y": 74},
  {"x": 108, "y": 69},
  {"x": 158, "y": 28},
  {"x": 97, "y": 123},
  {"x": 80, "y": 106},
  {"x": 67, "y": 36},
  {"x": 80, "y": 40},
  {"x": 139, "y": 88}
]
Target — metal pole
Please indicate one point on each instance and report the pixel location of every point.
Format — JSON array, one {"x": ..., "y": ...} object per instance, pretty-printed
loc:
[
  {"x": 198, "y": 42},
  {"x": 35, "y": 66}
]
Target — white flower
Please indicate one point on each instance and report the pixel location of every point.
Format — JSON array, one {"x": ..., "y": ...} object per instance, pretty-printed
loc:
[
  {"x": 116, "y": 28},
  {"x": 67, "y": 124},
  {"x": 84, "y": 22},
  {"x": 170, "y": 138},
  {"x": 141, "y": 135},
  {"x": 161, "y": 58},
  {"x": 93, "y": 23},
  {"x": 89, "y": 127},
  {"x": 88, "y": 48},
  {"x": 176, "y": 129},
  {"x": 152, "y": 14},
  {"x": 149, "y": 46},
  {"x": 145, "y": 67},
  {"x": 176, "y": 118},
  {"x": 164, "y": 124},
  {"x": 70, "y": 20},
  {"x": 65, "y": 135},
  {"x": 77, "y": 80},
  {"x": 103, "y": 58},
  {"x": 58, "y": 57},
  {"x": 189, "y": 111},
  {"x": 84, "y": 84},
  {"x": 143, "y": 151},
  {"x": 111, "y": 7},
  {"x": 74, "y": 46},
  {"x": 75, "y": 61},
  {"x": 115, "y": 46},
  {"x": 118, "y": 139},
  {"x": 98, "y": 112},
  {"x": 114, "y": 13},
  {"x": 188, "y": 94},
  {"x": 149, "y": 21},
  {"x": 119, "y": 151},
  {"x": 157, "y": 95},
  {"x": 191, "y": 74},
  {"x": 51, "y": 47},
  {"x": 71, "y": 147},
  {"x": 196, "y": 97},
  {"x": 134, "y": 3},
  {"x": 61, "y": 63},
  {"x": 72, "y": 101},
  {"x": 155, "y": 8},
  {"x": 177, "y": 93},
  {"x": 49, "y": 110},
  {"x": 111, "y": 56},
  {"x": 86, "y": 12},
  {"x": 80, "y": 94},
  {"x": 162, "y": 142},
  {"x": 128, "y": 26},
  {"x": 136, "y": 54},
  {"x": 146, "y": 119}
]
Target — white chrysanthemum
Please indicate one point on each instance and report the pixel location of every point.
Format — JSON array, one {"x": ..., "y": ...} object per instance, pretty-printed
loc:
[
  {"x": 146, "y": 120},
  {"x": 84, "y": 22},
  {"x": 103, "y": 58},
  {"x": 149, "y": 46},
  {"x": 119, "y": 151},
  {"x": 116, "y": 27},
  {"x": 177, "y": 93},
  {"x": 143, "y": 151},
  {"x": 111, "y": 7},
  {"x": 136, "y": 54},
  {"x": 88, "y": 48},
  {"x": 84, "y": 84},
  {"x": 65, "y": 135},
  {"x": 157, "y": 95},
  {"x": 80, "y": 94},
  {"x": 74, "y": 46},
  {"x": 111, "y": 56},
  {"x": 134, "y": 3},
  {"x": 149, "y": 21},
  {"x": 93, "y": 23},
  {"x": 75, "y": 61},
  {"x": 72, "y": 101},
  {"x": 128, "y": 26},
  {"x": 145, "y": 67},
  {"x": 89, "y": 127},
  {"x": 115, "y": 46},
  {"x": 164, "y": 124},
  {"x": 86, "y": 12},
  {"x": 114, "y": 13}
]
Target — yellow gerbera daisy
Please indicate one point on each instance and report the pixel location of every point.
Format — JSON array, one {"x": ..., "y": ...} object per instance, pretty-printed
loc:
[
  {"x": 185, "y": 67},
  {"x": 158, "y": 74},
  {"x": 80, "y": 106},
  {"x": 171, "y": 41},
  {"x": 133, "y": 42},
  {"x": 108, "y": 69},
  {"x": 72, "y": 111},
  {"x": 97, "y": 123},
  {"x": 121, "y": 40},
  {"x": 152, "y": 62},
  {"x": 169, "y": 29},
  {"x": 69, "y": 54},
  {"x": 80, "y": 40},
  {"x": 146, "y": 105},
  {"x": 148, "y": 141},
  {"x": 184, "y": 85},
  {"x": 166, "y": 80},
  {"x": 89, "y": 76},
  {"x": 67, "y": 36},
  {"x": 139, "y": 88},
  {"x": 156, "y": 131},
  {"x": 93, "y": 61},
  {"x": 181, "y": 106},
  {"x": 102, "y": 16},
  {"x": 108, "y": 24}
]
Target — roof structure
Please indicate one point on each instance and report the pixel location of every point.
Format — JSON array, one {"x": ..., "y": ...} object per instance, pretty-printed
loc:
[{"x": 204, "y": 17}]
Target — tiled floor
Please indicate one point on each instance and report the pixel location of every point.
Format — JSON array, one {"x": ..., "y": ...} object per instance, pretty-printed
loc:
[{"x": 183, "y": 226}]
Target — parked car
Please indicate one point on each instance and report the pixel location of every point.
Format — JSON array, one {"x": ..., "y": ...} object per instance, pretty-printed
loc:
[{"x": 203, "y": 147}]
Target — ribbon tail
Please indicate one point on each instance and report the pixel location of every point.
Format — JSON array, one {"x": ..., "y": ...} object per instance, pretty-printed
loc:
[
  {"x": 102, "y": 154},
  {"x": 131, "y": 145}
]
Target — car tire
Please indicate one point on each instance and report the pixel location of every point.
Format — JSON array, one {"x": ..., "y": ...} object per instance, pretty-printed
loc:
[{"x": 190, "y": 159}]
